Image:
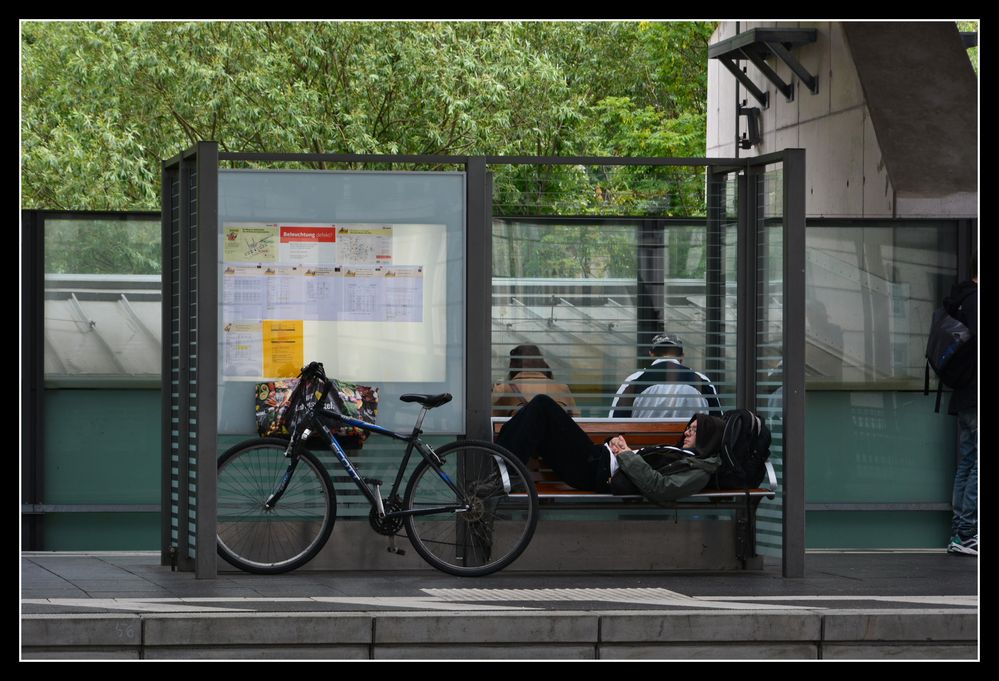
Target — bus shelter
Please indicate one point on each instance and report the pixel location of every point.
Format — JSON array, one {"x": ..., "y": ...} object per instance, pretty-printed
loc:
[{"x": 442, "y": 264}]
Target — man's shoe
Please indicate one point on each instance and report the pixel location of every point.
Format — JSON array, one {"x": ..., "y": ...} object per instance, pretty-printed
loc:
[{"x": 967, "y": 547}]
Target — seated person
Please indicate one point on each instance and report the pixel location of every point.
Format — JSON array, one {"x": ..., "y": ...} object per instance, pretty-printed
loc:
[
  {"x": 543, "y": 429},
  {"x": 529, "y": 375},
  {"x": 667, "y": 389}
]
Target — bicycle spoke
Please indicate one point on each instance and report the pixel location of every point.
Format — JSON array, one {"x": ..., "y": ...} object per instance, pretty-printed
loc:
[
  {"x": 492, "y": 528},
  {"x": 282, "y": 537}
]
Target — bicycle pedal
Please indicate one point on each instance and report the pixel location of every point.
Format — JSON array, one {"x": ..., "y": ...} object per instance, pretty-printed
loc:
[{"x": 392, "y": 548}]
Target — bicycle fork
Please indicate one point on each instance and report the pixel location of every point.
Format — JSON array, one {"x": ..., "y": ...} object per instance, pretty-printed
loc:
[{"x": 282, "y": 484}]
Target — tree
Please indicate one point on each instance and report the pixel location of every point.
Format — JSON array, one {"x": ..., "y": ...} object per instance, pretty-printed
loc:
[
  {"x": 104, "y": 103},
  {"x": 102, "y": 246}
]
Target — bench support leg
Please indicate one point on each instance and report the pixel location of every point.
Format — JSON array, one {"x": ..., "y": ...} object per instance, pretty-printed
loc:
[{"x": 745, "y": 530}]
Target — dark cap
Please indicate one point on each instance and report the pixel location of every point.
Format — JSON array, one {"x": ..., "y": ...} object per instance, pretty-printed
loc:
[{"x": 667, "y": 340}]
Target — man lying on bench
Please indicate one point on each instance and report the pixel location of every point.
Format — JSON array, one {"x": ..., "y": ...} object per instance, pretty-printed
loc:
[{"x": 660, "y": 474}]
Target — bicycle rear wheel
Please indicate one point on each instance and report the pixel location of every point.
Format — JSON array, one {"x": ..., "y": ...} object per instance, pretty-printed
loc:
[
  {"x": 265, "y": 540},
  {"x": 483, "y": 520}
]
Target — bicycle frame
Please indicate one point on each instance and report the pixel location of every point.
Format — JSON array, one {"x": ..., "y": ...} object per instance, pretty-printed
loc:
[
  {"x": 374, "y": 498},
  {"x": 468, "y": 509}
]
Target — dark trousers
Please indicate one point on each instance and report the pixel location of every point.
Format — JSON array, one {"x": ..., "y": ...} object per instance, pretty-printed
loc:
[{"x": 542, "y": 429}]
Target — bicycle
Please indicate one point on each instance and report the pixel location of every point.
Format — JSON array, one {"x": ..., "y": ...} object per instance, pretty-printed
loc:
[{"x": 469, "y": 508}]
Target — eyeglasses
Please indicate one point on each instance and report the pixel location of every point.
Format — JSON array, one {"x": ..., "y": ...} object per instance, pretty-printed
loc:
[{"x": 692, "y": 428}]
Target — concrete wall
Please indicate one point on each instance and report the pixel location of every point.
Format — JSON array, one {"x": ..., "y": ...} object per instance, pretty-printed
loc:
[
  {"x": 845, "y": 169},
  {"x": 690, "y": 634},
  {"x": 564, "y": 545}
]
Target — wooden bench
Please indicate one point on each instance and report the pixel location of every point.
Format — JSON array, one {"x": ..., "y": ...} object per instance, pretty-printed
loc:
[{"x": 555, "y": 494}]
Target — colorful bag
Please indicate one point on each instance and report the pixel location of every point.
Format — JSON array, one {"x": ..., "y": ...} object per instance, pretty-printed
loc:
[{"x": 276, "y": 415}]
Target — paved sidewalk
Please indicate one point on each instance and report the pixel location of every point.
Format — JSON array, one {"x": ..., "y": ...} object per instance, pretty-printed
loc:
[{"x": 922, "y": 605}]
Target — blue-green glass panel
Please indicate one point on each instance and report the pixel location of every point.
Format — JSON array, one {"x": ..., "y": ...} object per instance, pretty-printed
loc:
[
  {"x": 102, "y": 447},
  {"x": 877, "y": 529},
  {"x": 102, "y": 532},
  {"x": 878, "y": 447}
]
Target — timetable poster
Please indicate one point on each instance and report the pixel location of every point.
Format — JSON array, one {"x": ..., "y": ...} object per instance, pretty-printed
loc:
[
  {"x": 319, "y": 278},
  {"x": 285, "y": 292},
  {"x": 242, "y": 349},
  {"x": 244, "y": 295},
  {"x": 323, "y": 293},
  {"x": 402, "y": 294}
]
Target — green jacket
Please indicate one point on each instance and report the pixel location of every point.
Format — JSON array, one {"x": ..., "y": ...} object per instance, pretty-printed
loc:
[{"x": 673, "y": 481}]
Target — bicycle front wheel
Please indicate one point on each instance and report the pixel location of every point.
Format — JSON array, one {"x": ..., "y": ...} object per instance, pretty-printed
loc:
[
  {"x": 255, "y": 532},
  {"x": 475, "y": 516}
]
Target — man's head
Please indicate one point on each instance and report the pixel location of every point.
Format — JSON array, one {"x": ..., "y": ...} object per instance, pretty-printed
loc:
[{"x": 666, "y": 345}]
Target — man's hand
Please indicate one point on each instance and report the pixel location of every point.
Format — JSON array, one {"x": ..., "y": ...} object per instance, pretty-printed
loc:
[{"x": 618, "y": 445}]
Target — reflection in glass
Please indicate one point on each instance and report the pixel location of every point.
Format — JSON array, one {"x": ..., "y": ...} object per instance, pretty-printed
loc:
[{"x": 102, "y": 315}]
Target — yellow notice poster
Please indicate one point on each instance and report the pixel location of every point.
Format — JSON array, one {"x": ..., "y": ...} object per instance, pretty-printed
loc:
[{"x": 284, "y": 352}]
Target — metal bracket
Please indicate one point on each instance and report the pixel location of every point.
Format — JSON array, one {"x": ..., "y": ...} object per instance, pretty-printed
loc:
[
  {"x": 759, "y": 95},
  {"x": 756, "y": 46}
]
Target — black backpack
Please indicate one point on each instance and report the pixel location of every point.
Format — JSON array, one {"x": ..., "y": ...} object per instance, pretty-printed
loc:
[
  {"x": 950, "y": 351},
  {"x": 744, "y": 452}
]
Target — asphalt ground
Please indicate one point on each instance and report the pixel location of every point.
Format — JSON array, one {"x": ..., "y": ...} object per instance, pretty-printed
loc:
[{"x": 135, "y": 582}]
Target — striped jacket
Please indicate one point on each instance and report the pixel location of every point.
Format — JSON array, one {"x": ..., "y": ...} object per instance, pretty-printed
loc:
[{"x": 667, "y": 389}]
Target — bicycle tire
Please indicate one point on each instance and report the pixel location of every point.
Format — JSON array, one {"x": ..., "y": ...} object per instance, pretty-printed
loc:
[
  {"x": 290, "y": 534},
  {"x": 500, "y": 521}
]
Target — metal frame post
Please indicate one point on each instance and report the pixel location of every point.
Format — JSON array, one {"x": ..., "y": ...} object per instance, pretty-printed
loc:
[
  {"x": 32, "y": 374},
  {"x": 651, "y": 286},
  {"x": 182, "y": 402},
  {"x": 794, "y": 364},
  {"x": 747, "y": 288},
  {"x": 715, "y": 285},
  {"x": 478, "y": 299},
  {"x": 169, "y": 174},
  {"x": 190, "y": 297},
  {"x": 206, "y": 347}
]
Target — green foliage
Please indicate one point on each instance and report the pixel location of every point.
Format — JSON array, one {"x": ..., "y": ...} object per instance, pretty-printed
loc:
[
  {"x": 970, "y": 27},
  {"x": 566, "y": 251},
  {"x": 104, "y": 103},
  {"x": 645, "y": 86},
  {"x": 102, "y": 247}
]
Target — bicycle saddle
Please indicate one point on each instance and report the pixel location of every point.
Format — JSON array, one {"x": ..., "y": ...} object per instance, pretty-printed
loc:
[{"x": 428, "y": 401}]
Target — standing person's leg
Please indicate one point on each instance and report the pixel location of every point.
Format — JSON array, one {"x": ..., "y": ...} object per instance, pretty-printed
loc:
[
  {"x": 543, "y": 429},
  {"x": 965, "y": 522}
]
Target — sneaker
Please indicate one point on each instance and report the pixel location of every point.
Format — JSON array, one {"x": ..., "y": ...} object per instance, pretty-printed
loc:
[{"x": 968, "y": 547}]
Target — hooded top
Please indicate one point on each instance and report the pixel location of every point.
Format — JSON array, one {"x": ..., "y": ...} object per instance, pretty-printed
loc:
[
  {"x": 710, "y": 430},
  {"x": 683, "y": 478}
]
